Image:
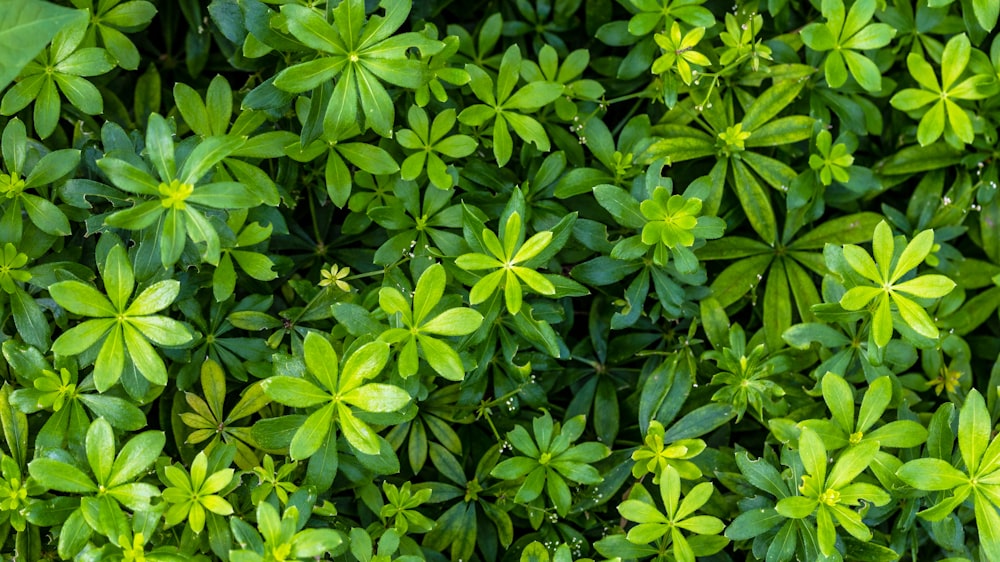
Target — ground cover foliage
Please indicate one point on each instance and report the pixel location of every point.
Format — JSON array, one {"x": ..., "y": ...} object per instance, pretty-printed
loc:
[{"x": 505, "y": 280}]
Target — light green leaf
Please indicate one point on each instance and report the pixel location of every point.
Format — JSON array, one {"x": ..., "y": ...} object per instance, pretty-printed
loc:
[
  {"x": 144, "y": 356},
  {"x": 160, "y": 147},
  {"x": 817, "y": 37},
  {"x": 308, "y": 75},
  {"x": 851, "y": 463},
  {"x": 931, "y": 475},
  {"x": 874, "y": 403},
  {"x": 881, "y": 325},
  {"x": 154, "y": 298},
  {"x": 915, "y": 316},
  {"x": 206, "y": 155},
  {"x": 534, "y": 95},
  {"x": 864, "y": 71},
  {"x": 135, "y": 457},
  {"x": 813, "y": 454},
  {"x": 321, "y": 360},
  {"x": 755, "y": 202},
  {"x": 365, "y": 363},
  {"x": 118, "y": 278},
  {"x": 931, "y": 124},
  {"x": 986, "y": 13},
  {"x": 310, "y": 436},
  {"x": 295, "y": 392},
  {"x": 78, "y": 339},
  {"x": 442, "y": 358},
  {"x": 26, "y": 27},
  {"x": 974, "y": 429},
  {"x": 840, "y": 400},
  {"x": 454, "y": 322},
  {"x": 859, "y": 297},
  {"x": 358, "y": 433},
  {"x": 82, "y": 299},
  {"x": 100, "y": 447},
  {"x": 59, "y": 476},
  {"x": 377, "y": 397},
  {"x": 913, "y": 255},
  {"x": 313, "y": 30},
  {"x": 428, "y": 292}
]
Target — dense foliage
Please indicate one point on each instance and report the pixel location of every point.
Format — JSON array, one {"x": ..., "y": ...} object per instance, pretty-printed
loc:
[{"x": 519, "y": 280}]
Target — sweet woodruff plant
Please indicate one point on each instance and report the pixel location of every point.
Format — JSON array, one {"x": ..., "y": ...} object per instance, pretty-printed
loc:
[{"x": 499, "y": 281}]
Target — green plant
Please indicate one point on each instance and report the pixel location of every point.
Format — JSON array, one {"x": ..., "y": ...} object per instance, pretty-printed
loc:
[
  {"x": 885, "y": 271},
  {"x": 403, "y": 281}
]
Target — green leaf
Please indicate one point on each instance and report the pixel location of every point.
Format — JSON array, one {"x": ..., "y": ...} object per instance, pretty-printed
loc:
[
  {"x": 428, "y": 292},
  {"x": 912, "y": 256},
  {"x": 777, "y": 305},
  {"x": 442, "y": 358},
  {"x": 46, "y": 216},
  {"x": 974, "y": 429},
  {"x": 534, "y": 95},
  {"x": 818, "y": 37},
  {"x": 321, "y": 360},
  {"x": 515, "y": 468},
  {"x": 205, "y": 156},
  {"x": 308, "y": 75},
  {"x": 144, "y": 357},
  {"x": 137, "y": 455},
  {"x": 74, "y": 535},
  {"x": 118, "y": 278},
  {"x": 899, "y": 434},
  {"x": 369, "y": 158},
  {"x": 986, "y": 13},
  {"x": 81, "y": 299},
  {"x": 835, "y": 69},
  {"x": 771, "y": 102},
  {"x": 796, "y": 507},
  {"x": 755, "y": 202},
  {"x": 225, "y": 195},
  {"x": 154, "y": 298},
  {"x": 622, "y": 206},
  {"x": 864, "y": 71},
  {"x": 294, "y": 392},
  {"x": 915, "y": 316},
  {"x": 931, "y": 475},
  {"x": 160, "y": 147},
  {"x": 749, "y": 524},
  {"x": 311, "y": 435},
  {"x": 313, "y": 30},
  {"x": 55, "y": 475},
  {"x": 851, "y": 463},
  {"x": 881, "y": 325},
  {"x": 840, "y": 400},
  {"x": 26, "y": 27},
  {"x": 454, "y": 322},
  {"x": 813, "y": 454},
  {"x": 377, "y": 397},
  {"x": 931, "y": 124},
  {"x": 172, "y": 237},
  {"x": 361, "y": 436},
  {"x": 988, "y": 521},
  {"x": 29, "y": 319},
  {"x": 100, "y": 447},
  {"x": 954, "y": 59},
  {"x": 52, "y": 167},
  {"x": 861, "y": 262},
  {"x": 192, "y": 109},
  {"x": 78, "y": 339},
  {"x": 365, "y": 363},
  {"x": 873, "y": 405},
  {"x": 503, "y": 145}
]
